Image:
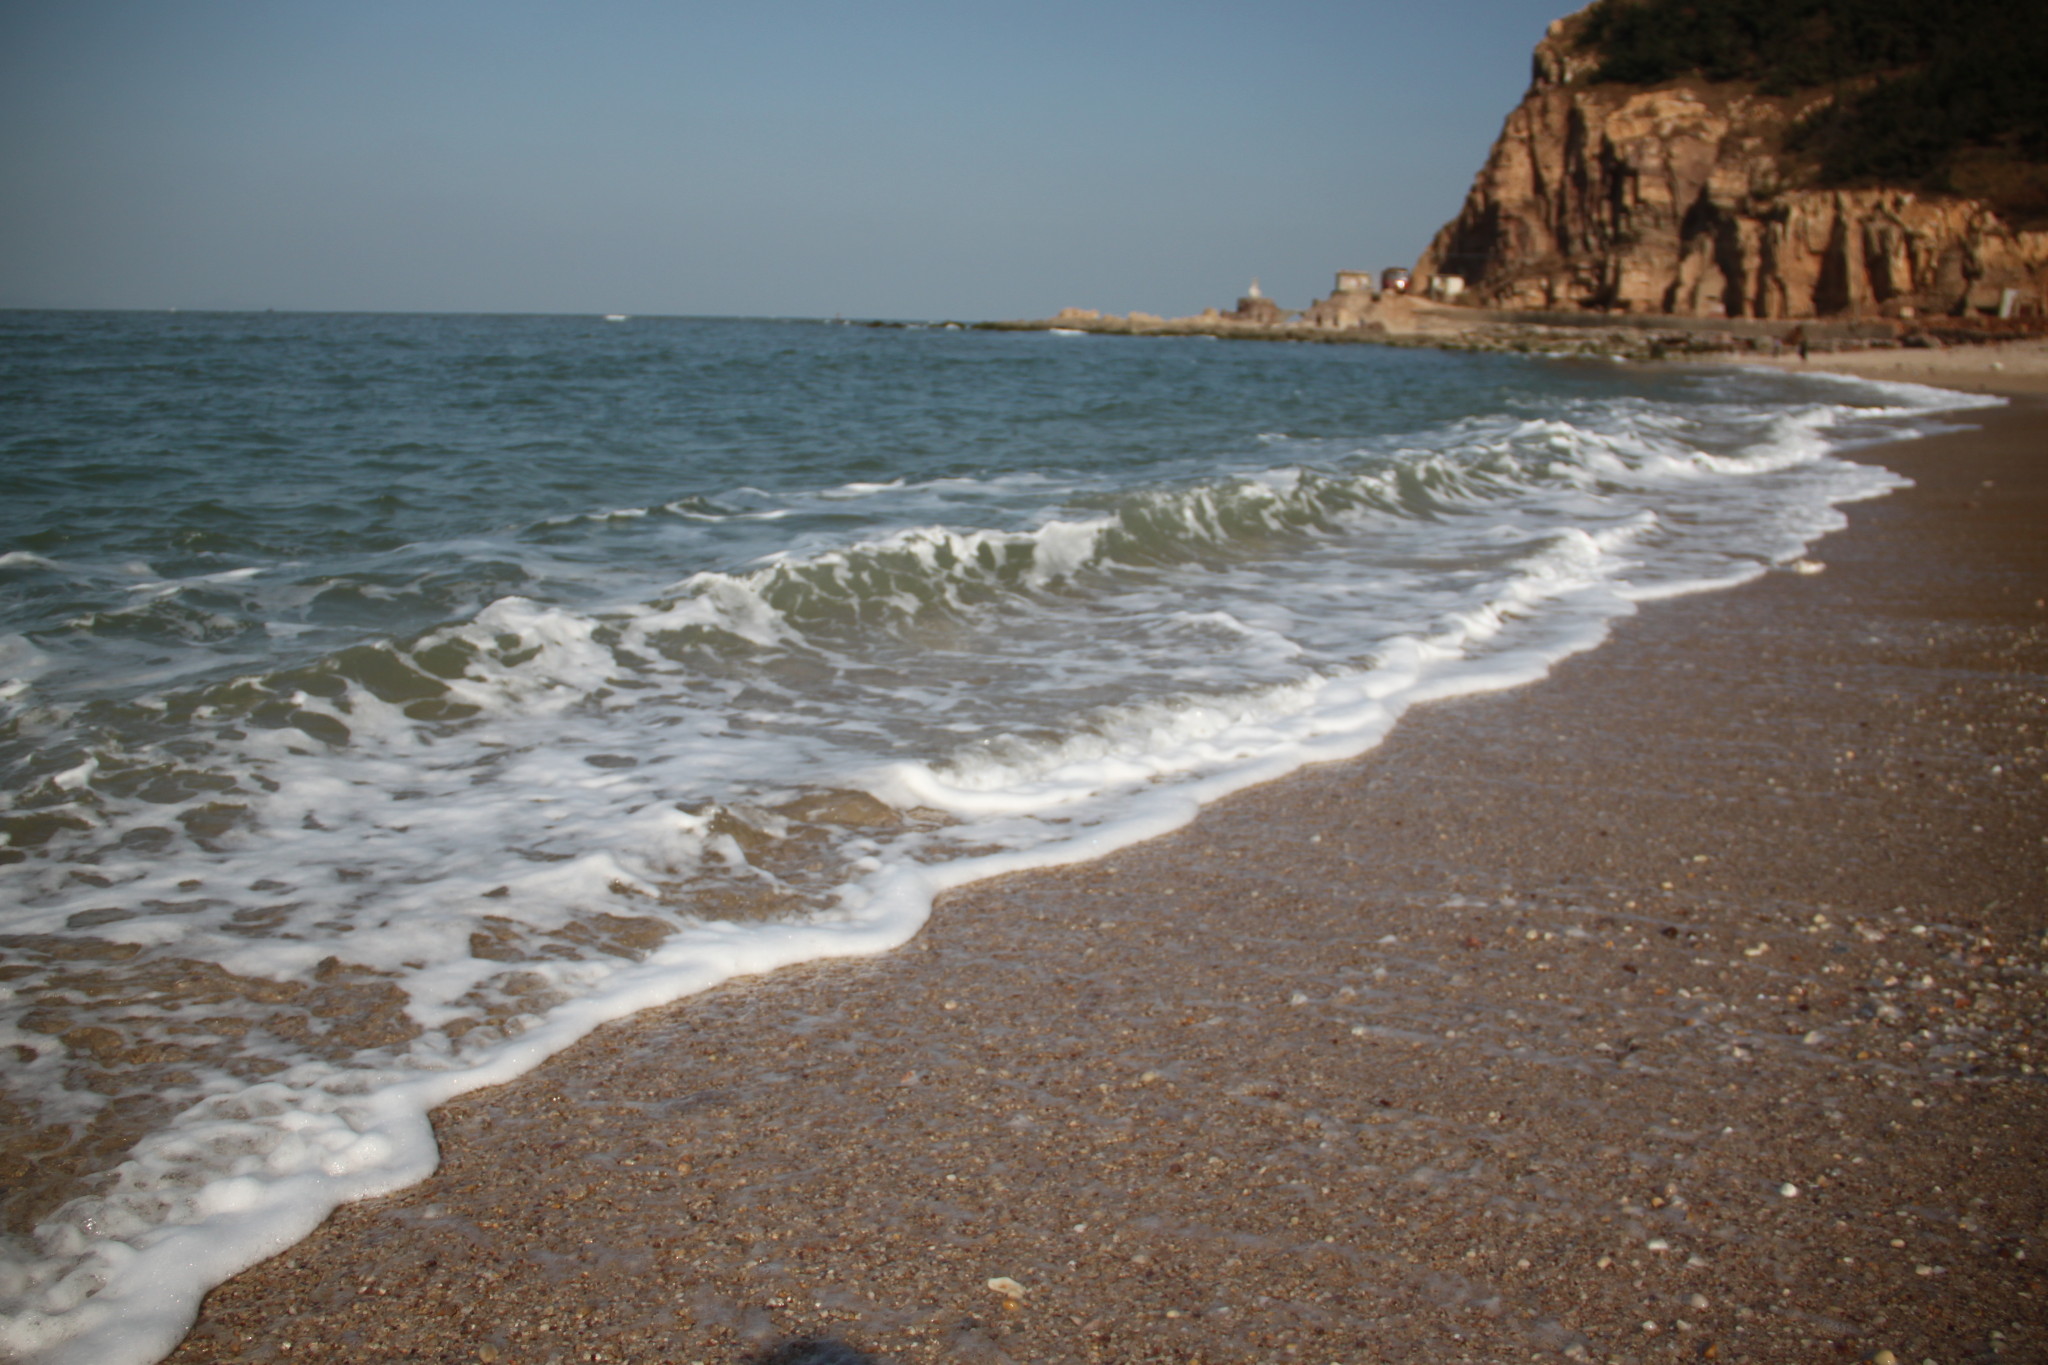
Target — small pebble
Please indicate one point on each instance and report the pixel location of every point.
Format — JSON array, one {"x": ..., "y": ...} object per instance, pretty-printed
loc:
[
  {"x": 1007, "y": 1287},
  {"x": 1789, "y": 1190}
]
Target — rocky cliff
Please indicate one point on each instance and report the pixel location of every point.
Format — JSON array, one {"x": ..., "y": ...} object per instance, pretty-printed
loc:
[{"x": 1677, "y": 198}]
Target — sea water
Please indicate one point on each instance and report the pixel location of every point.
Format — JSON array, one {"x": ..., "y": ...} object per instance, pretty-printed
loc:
[{"x": 386, "y": 701}]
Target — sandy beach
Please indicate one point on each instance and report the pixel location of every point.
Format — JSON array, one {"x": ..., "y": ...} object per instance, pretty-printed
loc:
[
  {"x": 1685, "y": 1005},
  {"x": 2010, "y": 367}
]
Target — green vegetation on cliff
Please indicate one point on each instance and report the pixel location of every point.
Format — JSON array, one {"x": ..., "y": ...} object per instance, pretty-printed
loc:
[{"x": 1941, "y": 95}]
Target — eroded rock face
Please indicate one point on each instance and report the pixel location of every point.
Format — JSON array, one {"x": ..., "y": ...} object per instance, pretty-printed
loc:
[{"x": 1675, "y": 199}]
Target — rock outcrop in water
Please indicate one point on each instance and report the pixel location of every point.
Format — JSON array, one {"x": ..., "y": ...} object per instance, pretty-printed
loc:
[{"x": 1678, "y": 198}]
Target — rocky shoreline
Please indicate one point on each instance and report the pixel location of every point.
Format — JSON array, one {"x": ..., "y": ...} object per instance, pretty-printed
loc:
[
  {"x": 1407, "y": 321},
  {"x": 1671, "y": 219}
]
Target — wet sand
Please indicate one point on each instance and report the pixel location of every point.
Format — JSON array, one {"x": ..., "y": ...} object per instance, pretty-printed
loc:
[{"x": 1686, "y": 1005}]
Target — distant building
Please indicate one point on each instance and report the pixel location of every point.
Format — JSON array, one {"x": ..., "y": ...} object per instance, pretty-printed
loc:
[
  {"x": 1394, "y": 280},
  {"x": 1354, "y": 282},
  {"x": 1260, "y": 309},
  {"x": 1256, "y": 307}
]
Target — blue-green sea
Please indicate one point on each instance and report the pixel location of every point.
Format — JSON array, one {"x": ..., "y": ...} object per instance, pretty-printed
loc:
[{"x": 386, "y": 701}]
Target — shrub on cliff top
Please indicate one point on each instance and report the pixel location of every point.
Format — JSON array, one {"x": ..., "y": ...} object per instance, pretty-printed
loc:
[
  {"x": 1783, "y": 45},
  {"x": 1931, "y": 93}
]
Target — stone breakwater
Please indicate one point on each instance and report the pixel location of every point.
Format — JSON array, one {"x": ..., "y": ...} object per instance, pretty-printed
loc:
[{"x": 1399, "y": 320}]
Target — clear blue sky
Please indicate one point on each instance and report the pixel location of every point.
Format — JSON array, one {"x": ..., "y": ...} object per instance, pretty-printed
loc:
[{"x": 870, "y": 158}]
